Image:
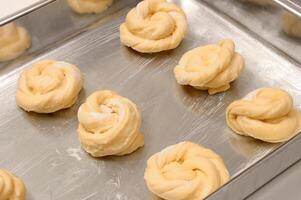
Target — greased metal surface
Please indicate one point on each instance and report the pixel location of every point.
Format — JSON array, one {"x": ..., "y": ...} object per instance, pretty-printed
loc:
[{"x": 44, "y": 150}]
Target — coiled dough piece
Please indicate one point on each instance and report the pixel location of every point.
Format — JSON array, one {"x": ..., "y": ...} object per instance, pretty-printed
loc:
[
  {"x": 109, "y": 124},
  {"x": 49, "y": 86},
  {"x": 11, "y": 187},
  {"x": 211, "y": 67},
  {"x": 260, "y": 2},
  {"x": 291, "y": 24},
  {"x": 185, "y": 171},
  {"x": 14, "y": 40},
  {"x": 89, "y": 6},
  {"x": 266, "y": 114},
  {"x": 154, "y": 26}
]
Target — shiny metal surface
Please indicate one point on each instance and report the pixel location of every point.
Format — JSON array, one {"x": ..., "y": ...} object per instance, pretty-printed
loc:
[
  {"x": 293, "y": 6},
  {"x": 264, "y": 23},
  {"x": 44, "y": 149}
]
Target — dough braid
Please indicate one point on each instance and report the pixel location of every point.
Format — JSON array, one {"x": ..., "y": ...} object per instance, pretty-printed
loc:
[
  {"x": 14, "y": 40},
  {"x": 266, "y": 114},
  {"x": 109, "y": 125},
  {"x": 185, "y": 171},
  {"x": 154, "y": 26},
  {"x": 49, "y": 86},
  {"x": 211, "y": 67},
  {"x": 11, "y": 187}
]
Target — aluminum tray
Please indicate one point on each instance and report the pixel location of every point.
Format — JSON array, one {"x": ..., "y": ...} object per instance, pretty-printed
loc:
[
  {"x": 44, "y": 149},
  {"x": 263, "y": 22}
]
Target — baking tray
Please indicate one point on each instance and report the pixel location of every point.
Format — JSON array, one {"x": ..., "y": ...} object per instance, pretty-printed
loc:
[
  {"x": 264, "y": 22},
  {"x": 44, "y": 149}
]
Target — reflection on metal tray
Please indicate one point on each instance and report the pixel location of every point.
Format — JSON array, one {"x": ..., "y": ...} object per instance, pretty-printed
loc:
[
  {"x": 44, "y": 149},
  {"x": 265, "y": 22}
]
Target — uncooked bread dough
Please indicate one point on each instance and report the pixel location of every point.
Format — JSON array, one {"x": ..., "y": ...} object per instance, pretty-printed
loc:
[
  {"x": 89, "y": 6},
  {"x": 109, "y": 124},
  {"x": 211, "y": 67},
  {"x": 266, "y": 114},
  {"x": 291, "y": 24},
  {"x": 185, "y": 171},
  {"x": 11, "y": 187},
  {"x": 14, "y": 40},
  {"x": 154, "y": 26},
  {"x": 260, "y": 2},
  {"x": 49, "y": 86}
]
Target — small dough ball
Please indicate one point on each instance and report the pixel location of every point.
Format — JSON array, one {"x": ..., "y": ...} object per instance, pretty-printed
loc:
[
  {"x": 14, "y": 40},
  {"x": 211, "y": 67},
  {"x": 11, "y": 187},
  {"x": 49, "y": 86},
  {"x": 89, "y": 6},
  {"x": 185, "y": 171},
  {"x": 109, "y": 124},
  {"x": 291, "y": 24},
  {"x": 154, "y": 26},
  {"x": 266, "y": 114},
  {"x": 260, "y": 2}
]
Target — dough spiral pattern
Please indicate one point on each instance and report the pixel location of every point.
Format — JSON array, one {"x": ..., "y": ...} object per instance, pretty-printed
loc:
[
  {"x": 11, "y": 187},
  {"x": 14, "y": 40},
  {"x": 211, "y": 67},
  {"x": 109, "y": 124},
  {"x": 154, "y": 26},
  {"x": 185, "y": 171},
  {"x": 49, "y": 86},
  {"x": 266, "y": 114},
  {"x": 89, "y": 6}
]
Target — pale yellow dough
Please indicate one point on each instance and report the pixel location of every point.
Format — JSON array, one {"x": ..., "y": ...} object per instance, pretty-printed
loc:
[
  {"x": 49, "y": 86},
  {"x": 14, "y": 40},
  {"x": 154, "y": 26},
  {"x": 291, "y": 24},
  {"x": 11, "y": 187},
  {"x": 185, "y": 171},
  {"x": 266, "y": 114},
  {"x": 109, "y": 124},
  {"x": 211, "y": 67},
  {"x": 89, "y": 6},
  {"x": 260, "y": 2}
]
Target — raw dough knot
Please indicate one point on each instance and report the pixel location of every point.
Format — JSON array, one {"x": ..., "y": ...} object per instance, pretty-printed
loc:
[
  {"x": 109, "y": 125},
  {"x": 11, "y": 187},
  {"x": 89, "y": 6},
  {"x": 291, "y": 24},
  {"x": 49, "y": 86},
  {"x": 211, "y": 67},
  {"x": 266, "y": 114},
  {"x": 185, "y": 171},
  {"x": 154, "y": 26},
  {"x": 14, "y": 40}
]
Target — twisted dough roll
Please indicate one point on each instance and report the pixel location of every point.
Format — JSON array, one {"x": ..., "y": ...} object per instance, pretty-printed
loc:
[
  {"x": 89, "y": 6},
  {"x": 11, "y": 187},
  {"x": 154, "y": 26},
  {"x": 260, "y": 2},
  {"x": 49, "y": 86},
  {"x": 185, "y": 171},
  {"x": 14, "y": 40},
  {"x": 211, "y": 67},
  {"x": 266, "y": 114},
  {"x": 291, "y": 24},
  {"x": 109, "y": 125}
]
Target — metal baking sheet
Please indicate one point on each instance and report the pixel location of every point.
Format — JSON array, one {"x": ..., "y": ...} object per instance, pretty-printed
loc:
[
  {"x": 44, "y": 149},
  {"x": 263, "y": 22}
]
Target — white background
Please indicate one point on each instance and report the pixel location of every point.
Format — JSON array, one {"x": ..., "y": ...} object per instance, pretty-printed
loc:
[{"x": 8, "y": 7}]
